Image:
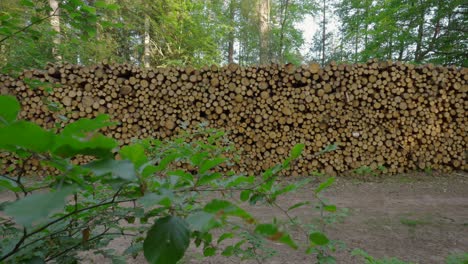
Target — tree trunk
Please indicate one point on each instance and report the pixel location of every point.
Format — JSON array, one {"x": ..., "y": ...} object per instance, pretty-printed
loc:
[
  {"x": 55, "y": 23},
  {"x": 324, "y": 35},
  {"x": 231, "y": 31},
  {"x": 284, "y": 14},
  {"x": 147, "y": 40},
  {"x": 418, "y": 53},
  {"x": 356, "y": 42},
  {"x": 264, "y": 17}
]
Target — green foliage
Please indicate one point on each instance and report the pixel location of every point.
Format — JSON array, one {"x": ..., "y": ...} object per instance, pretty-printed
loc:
[
  {"x": 183, "y": 186},
  {"x": 371, "y": 260},
  {"x": 12, "y": 108},
  {"x": 366, "y": 170},
  {"x": 34, "y": 209},
  {"x": 318, "y": 239},
  {"x": 461, "y": 258},
  {"x": 28, "y": 23},
  {"x": 167, "y": 240},
  {"x": 417, "y": 31},
  {"x": 412, "y": 222},
  {"x": 199, "y": 33}
]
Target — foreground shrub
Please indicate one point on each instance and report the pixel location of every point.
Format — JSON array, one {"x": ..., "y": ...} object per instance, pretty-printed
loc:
[{"x": 160, "y": 194}]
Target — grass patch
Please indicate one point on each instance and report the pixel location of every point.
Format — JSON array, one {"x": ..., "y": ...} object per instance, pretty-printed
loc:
[
  {"x": 457, "y": 258},
  {"x": 412, "y": 222}
]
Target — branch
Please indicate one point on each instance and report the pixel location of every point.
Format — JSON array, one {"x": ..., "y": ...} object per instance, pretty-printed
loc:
[
  {"x": 28, "y": 26},
  {"x": 76, "y": 246},
  {"x": 26, "y": 235}
]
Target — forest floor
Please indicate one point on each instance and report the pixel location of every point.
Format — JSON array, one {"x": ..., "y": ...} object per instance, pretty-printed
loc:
[{"x": 416, "y": 217}]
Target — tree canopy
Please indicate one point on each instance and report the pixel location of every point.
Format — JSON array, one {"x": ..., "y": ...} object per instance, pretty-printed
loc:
[{"x": 200, "y": 32}]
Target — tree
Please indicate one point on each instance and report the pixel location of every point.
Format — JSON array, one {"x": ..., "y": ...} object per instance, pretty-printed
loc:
[
  {"x": 55, "y": 23},
  {"x": 420, "y": 31},
  {"x": 264, "y": 29},
  {"x": 231, "y": 38}
]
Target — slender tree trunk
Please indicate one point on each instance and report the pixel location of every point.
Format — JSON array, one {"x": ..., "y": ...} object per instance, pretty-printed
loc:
[
  {"x": 231, "y": 31},
  {"x": 390, "y": 48},
  {"x": 356, "y": 42},
  {"x": 284, "y": 17},
  {"x": 366, "y": 25},
  {"x": 147, "y": 41},
  {"x": 324, "y": 35},
  {"x": 402, "y": 50},
  {"x": 418, "y": 52},
  {"x": 264, "y": 17},
  {"x": 55, "y": 23}
]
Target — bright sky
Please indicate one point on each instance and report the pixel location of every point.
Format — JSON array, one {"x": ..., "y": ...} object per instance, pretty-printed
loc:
[{"x": 309, "y": 26}]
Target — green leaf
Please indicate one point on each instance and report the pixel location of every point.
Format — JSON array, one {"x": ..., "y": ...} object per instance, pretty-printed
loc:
[
  {"x": 318, "y": 238},
  {"x": 112, "y": 7},
  {"x": 85, "y": 125},
  {"x": 88, "y": 9},
  {"x": 325, "y": 185},
  {"x": 198, "y": 159},
  {"x": 135, "y": 153},
  {"x": 297, "y": 205},
  {"x": 235, "y": 181},
  {"x": 245, "y": 195},
  {"x": 257, "y": 197},
  {"x": 36, "y": 260},
  {"x": 166, "y": 161},
  {"x": 186, "y": 176},
  {"x": 208, "y": 178},
  {"x": 80, "y": 137},
  {"x": 224, "y": 237},
  {"x": 27, "y": 3},
  {"x": 297, "y": 150},
  {"x": 272, "y": 232},
  {"x": 271, "y": 172},
  {"x": 288, "y": 188},
  {"x": 148, "y": 170},
  {"x": 329, "y": 259},
  {"x": 224, "y": 208},
  {"x": 329, "y": 148},
  {"x": 122, "y": 169},
  {"x": 9, "y": 185},
  {"x": 209, "y": 251},
  {"x": 200, "y": 221},
  {"x": 100, "y": 4},
  {"x": 9, "y": 109},
  {"x": 209, "y": 164},
  {"x": 153, "y": 199},
  {"x": 26, "y": 135},
  {"x": 166, "y": 241},
  {"x": 38, "y": 207},
  {"x": 228, "y": 251},
  {"x": 330, "y": 208}
]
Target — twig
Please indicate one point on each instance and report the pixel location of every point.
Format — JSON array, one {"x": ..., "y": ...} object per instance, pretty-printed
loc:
[
  {"x": 76, "y": 246},
  {"x": 26, "y": 235}
]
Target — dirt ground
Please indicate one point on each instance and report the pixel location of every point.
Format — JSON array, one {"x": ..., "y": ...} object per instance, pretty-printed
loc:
[{"x": 419, "y": 218}]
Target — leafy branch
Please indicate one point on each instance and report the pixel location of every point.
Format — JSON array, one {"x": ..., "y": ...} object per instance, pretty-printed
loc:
[{"x": 33, "y": 23}]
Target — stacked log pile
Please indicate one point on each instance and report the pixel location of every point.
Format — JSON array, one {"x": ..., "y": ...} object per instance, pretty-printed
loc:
[{"x": 391, "y": 114}]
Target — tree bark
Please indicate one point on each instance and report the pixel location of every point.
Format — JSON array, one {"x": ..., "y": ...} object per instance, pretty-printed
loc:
[
  {"x": 284, "y": 14},
  {"x": 147, "y": 40},
  {"x": 55, "y": 23},
  {"x": 231, "y": 31},
  {"x": 264, "y": 26},
  {"x": 418, "y": 52},
  {"x": 324, "y": 35}
]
